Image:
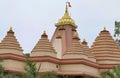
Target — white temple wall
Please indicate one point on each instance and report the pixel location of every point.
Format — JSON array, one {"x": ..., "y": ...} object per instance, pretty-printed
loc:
[{"x": 47, "y": 66}]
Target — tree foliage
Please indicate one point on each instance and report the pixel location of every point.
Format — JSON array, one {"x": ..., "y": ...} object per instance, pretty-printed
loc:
[
  {"x": 30, "y": 69},
  {"x": 111, "y": 73},
  {"x": 1, "y": 68},
  {"x": 117, "y": 32}
]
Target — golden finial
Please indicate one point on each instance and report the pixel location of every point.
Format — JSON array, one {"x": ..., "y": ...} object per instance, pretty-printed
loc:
[
  {"x": 44, "y": 31},
  {"x": 66, "y": 18},
  {"x": 104, "y": 28},
  {"x": 44, "y": 34},
  {"x": 10, "y": 27},
  {"x": 84, "y": 39},
  {"x": 10, "y": 30}
]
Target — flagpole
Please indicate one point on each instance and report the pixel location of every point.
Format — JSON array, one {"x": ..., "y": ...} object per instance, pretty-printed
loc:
[{"x": 68, "y": 5}]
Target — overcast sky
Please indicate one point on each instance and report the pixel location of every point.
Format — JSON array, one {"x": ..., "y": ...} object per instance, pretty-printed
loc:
[{"x": 29, "y": 18}]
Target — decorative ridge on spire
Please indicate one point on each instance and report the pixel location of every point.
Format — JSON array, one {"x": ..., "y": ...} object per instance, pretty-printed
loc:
[
  {"x": 75, "y": 47},
  {"x": 104, "y": 47},
  {"x": 10, "y": 41},
  {"x": 66, "y": 19},
  {"x": 44, "y": 45},
  {"x": 87, "y": 49}
]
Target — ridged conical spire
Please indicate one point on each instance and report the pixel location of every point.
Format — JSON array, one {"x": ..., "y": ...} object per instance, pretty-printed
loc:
[
  {"x": 75, "y": 47},
  {"x": 105, "y": 48},
  {"x": 43, "y": 45},
  {"x": 10, "y": 41},
  {"x": 66, "y": 19}
]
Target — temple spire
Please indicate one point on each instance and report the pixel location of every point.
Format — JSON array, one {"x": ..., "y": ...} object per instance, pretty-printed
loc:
[{"x": 10, "y": 41}]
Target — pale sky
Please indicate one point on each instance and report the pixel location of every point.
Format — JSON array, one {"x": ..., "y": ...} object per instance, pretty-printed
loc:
[{"x": 29, "y": 18}]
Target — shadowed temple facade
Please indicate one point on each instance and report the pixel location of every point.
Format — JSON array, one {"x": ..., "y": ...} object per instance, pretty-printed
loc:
[{"x": 64, "y": 54}]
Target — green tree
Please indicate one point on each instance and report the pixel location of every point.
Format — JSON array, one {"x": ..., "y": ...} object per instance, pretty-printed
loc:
[
  {"x": 1, "y": 68},
  {"x": 1, "y": 71},
  {"x": 31, "y": 70},
  {"x": 117, "y": 32},
  {"x": 111, "y": 73}
]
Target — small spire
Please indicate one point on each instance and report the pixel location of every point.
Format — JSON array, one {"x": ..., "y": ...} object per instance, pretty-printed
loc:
[
  {"x": 10, "y": 30},
  {"x": 84, "y": 41},
  {"x": 10, "y": 27},
  {"x": 104, "y": 28},
  {"x": 44, "y": 34},
  {"x": 8, "y": 44}
]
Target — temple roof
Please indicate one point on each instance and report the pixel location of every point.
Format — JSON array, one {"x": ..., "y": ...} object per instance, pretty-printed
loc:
[
  {"x": 105, "y": 46},
  {"x": 66, "y": 20},
  {"x": 87, "y": 49},
  {"x": 75, "y": 47},
  {"x": 10, "y": 41},
  {"x": 43, "y": 45}
]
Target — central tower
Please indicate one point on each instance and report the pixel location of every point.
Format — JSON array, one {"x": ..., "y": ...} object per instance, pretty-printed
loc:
[{"x": 63, "y": 34}]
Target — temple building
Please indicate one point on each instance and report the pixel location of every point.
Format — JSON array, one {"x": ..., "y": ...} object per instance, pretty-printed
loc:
[{"x": 65, "y": 53}]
